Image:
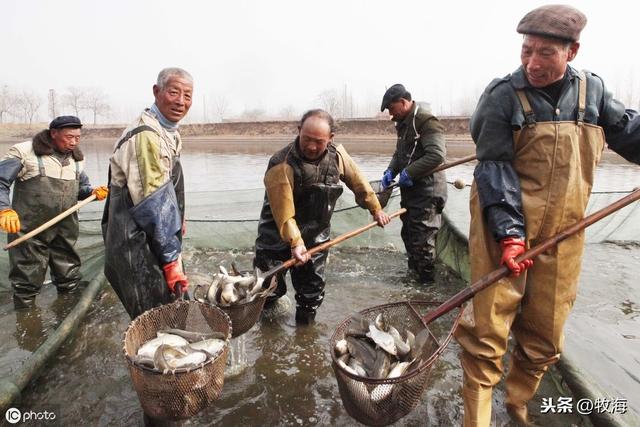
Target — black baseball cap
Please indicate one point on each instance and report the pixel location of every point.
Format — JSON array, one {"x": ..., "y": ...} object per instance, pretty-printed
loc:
[{"x": 65, "y": 122}]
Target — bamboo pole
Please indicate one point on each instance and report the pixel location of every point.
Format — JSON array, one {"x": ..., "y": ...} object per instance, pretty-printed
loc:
[
  {"x": 51, "y": 222},
  {"x": 326, "y": 245},
  {"x": 486, "y": 281}
]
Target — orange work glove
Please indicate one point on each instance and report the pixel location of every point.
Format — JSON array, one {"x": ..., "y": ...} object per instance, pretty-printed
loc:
[
  {"x": 174, "y": 275},
  {"x": 512, "y": 247},
  {"x": 9, "y": 221},
  {"x": 100, "y": 192}
]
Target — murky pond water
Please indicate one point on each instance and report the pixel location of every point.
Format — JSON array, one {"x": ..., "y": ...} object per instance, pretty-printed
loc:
[{"x": 288, "y": 379}]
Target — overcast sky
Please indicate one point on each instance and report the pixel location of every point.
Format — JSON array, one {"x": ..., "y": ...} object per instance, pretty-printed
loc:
[{"x": 274, "y": 55}]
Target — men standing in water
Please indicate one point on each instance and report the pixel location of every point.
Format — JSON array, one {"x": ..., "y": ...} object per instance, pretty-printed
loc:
[
  {"x": 539, "y": 133},
  {"x": 143, "y": 218},
  {"x": 49, "y": 177},
  {"x": 302, "y": 186},
  {"x": 420, "y": 149}
]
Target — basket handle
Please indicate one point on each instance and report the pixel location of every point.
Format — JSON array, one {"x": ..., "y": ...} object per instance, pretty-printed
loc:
[{"x": 486, "y": 281}]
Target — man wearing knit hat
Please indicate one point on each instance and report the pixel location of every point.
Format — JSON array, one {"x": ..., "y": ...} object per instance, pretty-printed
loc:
[{"x": 539, "y": 133}]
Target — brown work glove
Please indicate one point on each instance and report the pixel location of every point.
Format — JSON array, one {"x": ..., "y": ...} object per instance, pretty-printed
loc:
[
  {"x": 9, "y": 221},
  {"x": 100, "y": 192},
  {"x": 513, "y": 247}
]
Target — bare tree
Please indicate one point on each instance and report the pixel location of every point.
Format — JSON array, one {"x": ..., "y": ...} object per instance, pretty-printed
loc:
[
  {"x": 253, "y": 114},
  {"x": 29, "y": 103},
  {"x": 288, "y": 113},
  {"x": 7, "y": 102},
  {"x": 330, "y": 102},
  {"x": 95, "y": 100},
  {"x": 75, "y": 99},
  {"x": 221, "y": 105}
]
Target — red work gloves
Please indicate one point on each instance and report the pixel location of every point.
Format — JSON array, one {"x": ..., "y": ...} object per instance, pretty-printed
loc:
[
  {"x": 100, "y": 192},
  {"x": 174, "y": 276},
  {"x": 512, "y": 247},
  {"x": 9, "y": 221}
]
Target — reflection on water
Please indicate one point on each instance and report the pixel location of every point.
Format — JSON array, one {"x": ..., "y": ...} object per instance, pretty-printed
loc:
[{"x": 288, "y": 378}]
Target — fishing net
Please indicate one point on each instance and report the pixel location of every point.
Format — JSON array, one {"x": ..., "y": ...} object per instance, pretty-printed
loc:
[
  {"x": 186, "y": 391},
  {"x": 244, "y": 315},
  {"x": 383, "y": 194},
  {"x": 379, "y": 402}
]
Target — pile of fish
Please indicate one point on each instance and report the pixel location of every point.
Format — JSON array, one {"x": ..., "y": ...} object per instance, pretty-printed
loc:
[
  {"x": 176, "y": 348},
  {"x": 378, "y": 350},
  {"x": 228, "y": 289}
]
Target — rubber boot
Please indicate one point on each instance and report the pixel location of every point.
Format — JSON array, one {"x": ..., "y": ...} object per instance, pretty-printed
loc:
[
  {"x": 67, "y": 287},
  {"x": 427, "y": 277},
  {"x": 520, "y": 385},
  {"x": 305, "y": 315},
  {"x": 23, "y": 302},
  {"x": 477, "y": 406}
]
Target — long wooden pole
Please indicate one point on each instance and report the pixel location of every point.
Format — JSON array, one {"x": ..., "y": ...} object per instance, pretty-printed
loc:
[
  {"x": 51, "y": 222},
  {"x": 484, "y": 282},
  {"x": 326, "y": 245},
  {"x": 444, "y": 166}
]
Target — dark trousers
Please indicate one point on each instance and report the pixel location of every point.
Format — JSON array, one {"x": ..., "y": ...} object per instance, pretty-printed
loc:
[
  {"x": 420, "y": 225},
  {"x": 308, "y": 280}
]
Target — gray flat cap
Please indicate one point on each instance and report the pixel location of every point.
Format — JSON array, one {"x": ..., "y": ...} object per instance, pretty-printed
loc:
[{"x": 554, "y": 20}]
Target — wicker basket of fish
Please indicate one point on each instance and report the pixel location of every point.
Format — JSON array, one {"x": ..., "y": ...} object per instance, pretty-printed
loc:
[
  {"x": 240, "y": 295},
  {"x": 176, "y": 354},
  {"x": 382, "y": 358}
]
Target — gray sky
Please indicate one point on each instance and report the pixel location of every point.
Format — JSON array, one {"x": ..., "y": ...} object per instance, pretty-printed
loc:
[{"x": 271, "y": 55}]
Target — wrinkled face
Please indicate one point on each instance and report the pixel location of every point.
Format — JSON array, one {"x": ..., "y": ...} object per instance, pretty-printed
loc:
[
  {"x": 399, "y": 109},
  {"x": 65, "y": 139},
  {"x": 544, "y": 60},
  {"x": 174, "y": 99},
  {"x": 315, "y": 135}
]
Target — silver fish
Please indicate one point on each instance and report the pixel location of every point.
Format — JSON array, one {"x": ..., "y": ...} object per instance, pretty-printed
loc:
[
  {"x": 228, "y": 294},
  {"x": 383, "y": 339},
  {"x": 358, "y": 325},
  {"x": 211, "y": 346},
  {"x": 192, "y": 336},
  {"x": 149, "y": 348},
  {"x": 357, "y": 366},
  {"x": 381, "y": 322},
  {"x": 383, "y": 391},
  {"x": 361, "y": 350},
  {"x": 346, "y": 367},
  {"x": 341, "y": 347},
  {"x": 168, "y": 358},
  {"x": 401, "y": 346},
  {"x": 382, "y": 365}
]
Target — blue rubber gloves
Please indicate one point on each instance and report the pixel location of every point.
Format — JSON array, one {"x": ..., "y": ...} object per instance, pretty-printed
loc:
[
  {"x": 387, "y": 178},
  {"x": 405, "y": 180}
]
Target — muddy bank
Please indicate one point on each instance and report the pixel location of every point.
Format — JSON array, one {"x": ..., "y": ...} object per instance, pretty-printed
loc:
[{"x": 369, "y": 127}]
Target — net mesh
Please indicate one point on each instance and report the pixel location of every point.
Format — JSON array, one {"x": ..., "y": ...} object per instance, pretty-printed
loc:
[
  {"x": 184, "y": 392},
  {"x": 379, "y": 402}
]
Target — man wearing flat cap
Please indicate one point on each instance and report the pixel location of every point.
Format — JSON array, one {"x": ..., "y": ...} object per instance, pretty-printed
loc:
[
  {"x": 419, "y": 149},
  {"x": 49, "y": 177},
  {"x": 539, "y": 134}
]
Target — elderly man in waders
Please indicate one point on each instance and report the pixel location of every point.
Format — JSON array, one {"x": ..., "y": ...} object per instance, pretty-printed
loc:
[
  {"x": 49, "y": 178},
  {"x": 143, "y": 217},
  {"x": 302, "y": 187},
  {"x": 539, "y": 133}
]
